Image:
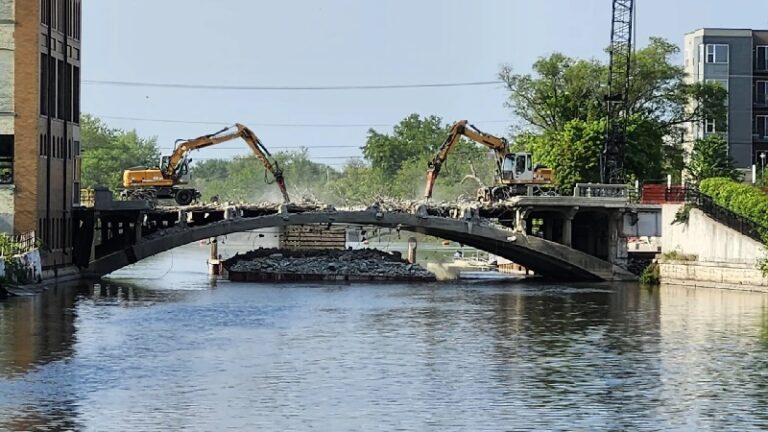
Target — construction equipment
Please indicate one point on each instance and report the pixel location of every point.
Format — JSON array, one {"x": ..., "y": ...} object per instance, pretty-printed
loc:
[
  {"x": 612, "y": 160},
  {"x": 164, "y": 182},
  {"x": 515, "y": 172}
]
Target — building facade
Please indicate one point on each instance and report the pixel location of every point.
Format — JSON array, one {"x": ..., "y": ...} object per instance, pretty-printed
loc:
[
  {"x": 737, "y": 59},
  {"x": 39, "y": 121}
]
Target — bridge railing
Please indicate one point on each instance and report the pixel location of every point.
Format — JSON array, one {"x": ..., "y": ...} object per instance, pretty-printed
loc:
[
  {"x": 11, "y": 245},
  {"x": 607, "y": 191},
  {"x": 706, "y": 204}
]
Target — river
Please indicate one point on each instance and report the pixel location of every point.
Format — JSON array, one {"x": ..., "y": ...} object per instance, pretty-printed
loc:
[{"x": 159, "y": 346}]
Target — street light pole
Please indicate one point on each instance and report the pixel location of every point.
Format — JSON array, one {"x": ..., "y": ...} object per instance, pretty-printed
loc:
[{"x": 762, "y": 165}]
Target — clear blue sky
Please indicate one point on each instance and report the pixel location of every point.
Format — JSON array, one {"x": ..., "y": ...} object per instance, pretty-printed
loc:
[{"x": 344, "y": 42}]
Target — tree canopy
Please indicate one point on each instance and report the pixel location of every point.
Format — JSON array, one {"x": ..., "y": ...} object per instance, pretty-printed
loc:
[
  {"x": 710, "y": 159},
  {"x": 394, "y": 165},
  {"x": 106, "y": 152},
  {"x": 563, "y": 110}
]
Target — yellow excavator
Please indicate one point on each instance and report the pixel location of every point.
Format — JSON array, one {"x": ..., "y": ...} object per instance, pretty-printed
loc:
[
  {"x": 515, "y": 172},
  {"x": 166, "y": 182}
]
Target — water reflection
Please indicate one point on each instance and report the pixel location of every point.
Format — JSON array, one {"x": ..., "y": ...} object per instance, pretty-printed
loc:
[
  {"x": 36, "y": 330},
  {"x": 121, "y": 356}
]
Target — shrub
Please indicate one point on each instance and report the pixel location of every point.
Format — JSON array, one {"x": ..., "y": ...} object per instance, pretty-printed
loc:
[
  {"x": 651, "y": 275},
  {"x": 742, "y": 199}
]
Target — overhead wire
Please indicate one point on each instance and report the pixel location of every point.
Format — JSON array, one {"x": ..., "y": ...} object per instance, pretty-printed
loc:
[
  {"x": 280, "y": 125},
  {"x": 288, "y": 88}
]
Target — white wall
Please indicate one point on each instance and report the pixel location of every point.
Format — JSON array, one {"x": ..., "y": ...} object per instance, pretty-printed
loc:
[
  {"x": 707, "y": 239},
  {"x": 6, "y": 208}
]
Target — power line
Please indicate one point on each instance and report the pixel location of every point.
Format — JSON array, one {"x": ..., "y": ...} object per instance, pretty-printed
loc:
[
  {"x": 280, "y": 125},
  {"x": 280, "y": 148},
  {"x": 288, "y": 88},
  {"x": 229, "y": 123}
]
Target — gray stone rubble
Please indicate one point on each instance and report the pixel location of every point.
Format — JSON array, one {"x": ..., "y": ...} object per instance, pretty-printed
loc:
[{"x": 360, "y": 262}]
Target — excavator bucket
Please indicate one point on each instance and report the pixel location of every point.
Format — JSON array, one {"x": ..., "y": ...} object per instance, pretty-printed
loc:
[
  {"x": 431, "y": 177},
  {"x": 280, "y": 180}
]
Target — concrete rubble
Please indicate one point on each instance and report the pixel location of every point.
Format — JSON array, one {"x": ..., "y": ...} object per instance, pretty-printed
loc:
[{"x": 360, "y": 263}]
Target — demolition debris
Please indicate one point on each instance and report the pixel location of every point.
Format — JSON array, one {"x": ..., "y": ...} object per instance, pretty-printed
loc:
[{"x": 361, "y": 265}]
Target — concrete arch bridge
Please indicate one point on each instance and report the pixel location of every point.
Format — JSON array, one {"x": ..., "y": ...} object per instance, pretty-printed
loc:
[{"x": 109, "y": 239}]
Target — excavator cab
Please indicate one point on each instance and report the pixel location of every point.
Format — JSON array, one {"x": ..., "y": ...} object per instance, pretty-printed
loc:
[
  {"x": 181, "y": 173},
  {"x": 517, "y": 167}
]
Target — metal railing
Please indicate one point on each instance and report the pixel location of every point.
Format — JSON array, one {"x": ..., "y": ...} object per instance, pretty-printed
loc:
[
  {"x": 706, "y": 204},
  {"x": 11, "y": 245},
  {"x": 596, "y": 190},
  {"x": 87, "y": 197}
]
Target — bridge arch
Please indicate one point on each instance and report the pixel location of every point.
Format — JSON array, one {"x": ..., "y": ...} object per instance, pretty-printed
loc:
[{"x": 544, "y": 257}]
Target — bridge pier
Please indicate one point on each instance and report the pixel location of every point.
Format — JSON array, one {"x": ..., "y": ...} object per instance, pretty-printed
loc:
[
  {"x": 214, "y": 262},
  {"x": 568, "y": 216}
]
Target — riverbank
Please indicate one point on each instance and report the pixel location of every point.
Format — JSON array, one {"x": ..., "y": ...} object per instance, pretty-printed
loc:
[{"x": 361, "y": 265}]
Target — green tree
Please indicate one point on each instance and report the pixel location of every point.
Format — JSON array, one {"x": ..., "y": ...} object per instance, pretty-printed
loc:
[
  {"x": 360, "y": 184},
  {"x": 564, "y": 100},
  {"x": 710, "y": 159},
  {"x": 106, "y": 152},
  {"x": 401, "y": 159},
  {"x": 244, "y": 178},
  {"x": 412, "y": 138}
]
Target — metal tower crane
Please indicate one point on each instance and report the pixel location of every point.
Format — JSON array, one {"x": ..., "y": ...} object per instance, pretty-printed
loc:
[{"x": 612, "y": 161}]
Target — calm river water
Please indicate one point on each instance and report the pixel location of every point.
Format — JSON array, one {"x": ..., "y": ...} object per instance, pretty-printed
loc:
[{"x": 160, "y": 347}]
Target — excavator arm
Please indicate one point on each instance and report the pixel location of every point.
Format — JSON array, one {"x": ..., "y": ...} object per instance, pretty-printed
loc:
[
  {"x": 241, "y": 131},
  {"x": 459, "y": 129}
]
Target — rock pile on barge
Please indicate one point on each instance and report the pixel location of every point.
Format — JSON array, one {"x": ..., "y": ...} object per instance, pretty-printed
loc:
[{"x": 263, "y": 265}]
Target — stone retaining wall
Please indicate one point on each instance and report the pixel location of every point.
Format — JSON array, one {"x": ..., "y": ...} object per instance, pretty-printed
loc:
[{"x": 713, "y": 275}]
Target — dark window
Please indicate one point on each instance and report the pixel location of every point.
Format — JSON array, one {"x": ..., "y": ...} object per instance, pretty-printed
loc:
[
  {"x": 44, "y": 78},
  {"x": 45, "y": 12},
  {"x": 62, "y": 10},
  {"x": 78, "y": 19},
  {"x": 761, "y": 57},
  {"x": 61, "y": 92},
  {"x": 76, "y": 94},
  {"x": 6, "y": 159}
]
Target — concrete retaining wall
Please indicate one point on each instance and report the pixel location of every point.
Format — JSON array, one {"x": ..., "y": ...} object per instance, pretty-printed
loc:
[
  {"x": 709, "y": 240},
  {"x": 724, "y": 258}
]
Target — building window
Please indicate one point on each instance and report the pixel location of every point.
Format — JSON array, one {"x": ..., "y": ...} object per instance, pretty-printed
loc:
[
  {"x": 6, "y": 159},
  {"x": 45, "y": 12},
  {"x": 761, "y": 57},
  {"x": 76, "y": 94},
  {"x": 709, "y": 126},
  {"x": 44, "y": 75},
  {"x": 760, "y": 127},
  {"x": 761, "y": 93},
  {"x": 61, "y": 92},
  {"x": 76, "y": 193},
  {"x": 77, "y": 20},
  {"x": 717, "y": 53}
]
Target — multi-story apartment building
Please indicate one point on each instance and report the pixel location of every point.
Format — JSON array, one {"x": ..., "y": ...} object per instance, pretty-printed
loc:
[
  {"x": 738, "y": 60},
  {"x": 39, "y": 121}
]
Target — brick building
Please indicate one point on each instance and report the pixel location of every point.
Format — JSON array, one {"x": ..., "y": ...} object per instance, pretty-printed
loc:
[{"x": 39, "y": 121}]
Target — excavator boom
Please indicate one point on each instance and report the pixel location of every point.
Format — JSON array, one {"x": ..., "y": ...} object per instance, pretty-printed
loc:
[
  {"x": 459, "y": 129},
  {"x": 169, "y": 174}
]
